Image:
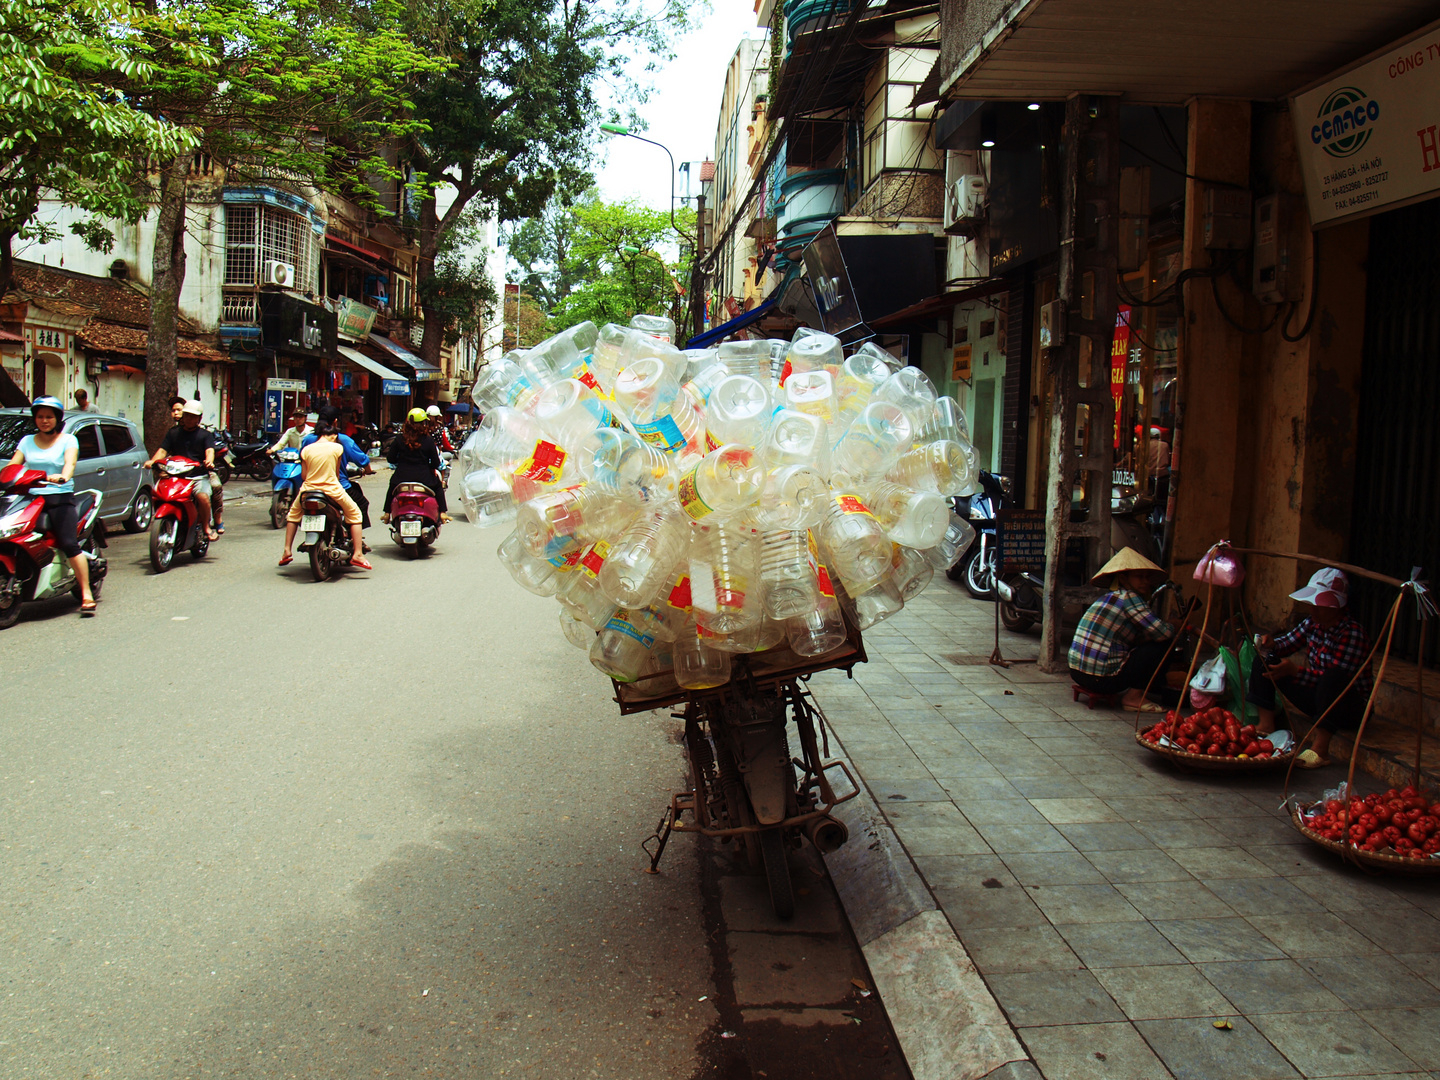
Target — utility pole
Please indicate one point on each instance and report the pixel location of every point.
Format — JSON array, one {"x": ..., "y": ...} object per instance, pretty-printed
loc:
[{"x": 1089, "y": 240}]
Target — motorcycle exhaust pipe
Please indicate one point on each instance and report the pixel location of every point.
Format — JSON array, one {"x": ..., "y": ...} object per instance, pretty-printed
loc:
[{"x": 826, "y": 833}]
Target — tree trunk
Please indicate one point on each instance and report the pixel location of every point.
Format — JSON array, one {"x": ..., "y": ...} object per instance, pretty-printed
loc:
[
  {"x": 168, "y": 275},
  {"x": 424, "y": 271}
]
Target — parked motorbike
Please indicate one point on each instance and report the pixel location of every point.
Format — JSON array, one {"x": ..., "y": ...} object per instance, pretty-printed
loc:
[
  {"x": 446, "y": 458},
  {"x": 285, "y": 482},
  {"x": 224, "y": 457},
  {"x": 977, "y": 567},
  {"x": 251, "y": 459},
  {"x": 744, "y": 784},
  {"x": 327, "y": 537},
  {"x": 414, "y": 519},
  {"x": 177, "y": 525},
  {"x": 1021, "y": 598},
  {"x": 32, "y": 566}
]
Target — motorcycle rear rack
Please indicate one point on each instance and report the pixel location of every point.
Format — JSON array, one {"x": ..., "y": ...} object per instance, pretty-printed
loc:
[{"x": 682, "y": 801}]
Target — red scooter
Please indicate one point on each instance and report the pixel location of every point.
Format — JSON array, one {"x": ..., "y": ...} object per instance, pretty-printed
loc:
[
  {"x": 414, "y": 519},
  {"x": 31, "y": 564},
  {"x": 177, "y": 525}
]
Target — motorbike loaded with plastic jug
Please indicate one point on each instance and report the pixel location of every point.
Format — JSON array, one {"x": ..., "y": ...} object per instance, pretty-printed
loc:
[
  {"x": 176, "y": 525},
  {"x": 32, "y": 566},
  {"x": 718, "y": 525}
]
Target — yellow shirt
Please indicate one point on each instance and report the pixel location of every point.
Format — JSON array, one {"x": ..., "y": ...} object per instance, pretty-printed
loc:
[{"x": 319, "y": 463}]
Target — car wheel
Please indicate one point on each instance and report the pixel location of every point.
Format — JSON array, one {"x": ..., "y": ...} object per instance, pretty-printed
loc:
[{"x": 141, "y": 512}]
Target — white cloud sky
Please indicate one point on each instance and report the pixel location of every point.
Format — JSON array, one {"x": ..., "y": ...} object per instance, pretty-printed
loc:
[{"x": 682, "y": 111}]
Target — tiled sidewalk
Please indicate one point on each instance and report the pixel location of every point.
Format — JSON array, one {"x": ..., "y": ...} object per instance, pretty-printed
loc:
[{"x": 1114, "y": 906}]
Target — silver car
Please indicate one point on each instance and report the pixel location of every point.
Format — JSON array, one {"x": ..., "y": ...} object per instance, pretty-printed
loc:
[{"x": 111, "y": 455}]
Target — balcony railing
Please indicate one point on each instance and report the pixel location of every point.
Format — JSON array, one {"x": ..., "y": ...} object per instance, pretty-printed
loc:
[{"x": 238, "y": 308}]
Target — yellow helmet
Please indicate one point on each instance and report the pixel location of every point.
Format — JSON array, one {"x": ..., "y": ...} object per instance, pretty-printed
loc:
[{"x": 417, "y": 415}]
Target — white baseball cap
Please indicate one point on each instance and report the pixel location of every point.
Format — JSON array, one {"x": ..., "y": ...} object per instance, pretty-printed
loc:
[
  {"x": 193, "y": 408},
  {"x": 1328, "y": 587},
  {"x": 433, "y": 410}
]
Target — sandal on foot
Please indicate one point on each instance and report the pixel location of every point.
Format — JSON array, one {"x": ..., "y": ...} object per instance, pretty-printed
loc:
[
  {"x": 286, "y": 560},
  {"x": 360, "y": 563},
  {"x": 219, "y": 529},
  {"x": 87, "y": 609},
  {"x": 1147, "y": 707},
  {"x": 1309, "y": 759}
]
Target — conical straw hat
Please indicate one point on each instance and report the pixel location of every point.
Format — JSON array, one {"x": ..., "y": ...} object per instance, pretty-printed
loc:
[{"x": 1127, "y": 559}]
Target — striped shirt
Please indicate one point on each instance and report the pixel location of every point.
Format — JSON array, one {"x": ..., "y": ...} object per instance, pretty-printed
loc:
[
  {"x": 1110, "y": 628},
  {"x": 1342, "y": 647}
]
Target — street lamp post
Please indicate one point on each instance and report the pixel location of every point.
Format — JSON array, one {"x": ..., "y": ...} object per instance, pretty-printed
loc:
[{"x": 619, "y": 129}]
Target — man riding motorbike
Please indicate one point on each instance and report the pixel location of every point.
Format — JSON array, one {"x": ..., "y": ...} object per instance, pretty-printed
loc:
[
  {"x": 189, "y": 440},
  {"x": 55, "y": 453},
  {"x": 435, "y": 428}
]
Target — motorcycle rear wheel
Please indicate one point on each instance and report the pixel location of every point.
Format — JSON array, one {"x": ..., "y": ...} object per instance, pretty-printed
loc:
[
  {"x": 162, "y": 543},
  {"x": 260, "y": 470},
  {"x": 1015, "y": 620},
  {"x": 320, "y": 563},
  {"x": 777, "y": 873}
]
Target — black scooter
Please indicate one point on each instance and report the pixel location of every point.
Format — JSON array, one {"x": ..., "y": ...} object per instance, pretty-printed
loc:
[{"x": 976, "y": 568}]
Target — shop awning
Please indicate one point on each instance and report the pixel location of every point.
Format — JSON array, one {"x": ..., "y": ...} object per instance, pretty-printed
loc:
[
  {"x": 1159, "y": 54},
  {"x": 740, "y": 322},
  {"x": 372, "y": 366},
  {"x": 424, "y": 371}
]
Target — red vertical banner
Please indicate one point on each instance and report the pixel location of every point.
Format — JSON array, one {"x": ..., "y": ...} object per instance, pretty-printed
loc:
[{"x": 1119, "y": 359}]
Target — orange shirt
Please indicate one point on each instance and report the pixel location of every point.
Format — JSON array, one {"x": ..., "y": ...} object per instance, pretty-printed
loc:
[{"x": 319, "y": 463}]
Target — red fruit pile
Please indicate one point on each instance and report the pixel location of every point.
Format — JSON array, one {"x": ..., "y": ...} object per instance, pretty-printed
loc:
[
  {"x": 1213, "y": 732},
  {"x": 1401, "y": 821}
]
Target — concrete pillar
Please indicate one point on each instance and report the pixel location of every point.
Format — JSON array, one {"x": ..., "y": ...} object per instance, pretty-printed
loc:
[{"x": 1206, "y": 458}]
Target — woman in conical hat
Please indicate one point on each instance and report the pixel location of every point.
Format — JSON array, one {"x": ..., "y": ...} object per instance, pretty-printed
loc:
[{"x": 1120, "y": 642}]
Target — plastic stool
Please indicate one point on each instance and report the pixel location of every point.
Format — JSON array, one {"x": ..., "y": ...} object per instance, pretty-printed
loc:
[{"x": 1109, "y": 701}]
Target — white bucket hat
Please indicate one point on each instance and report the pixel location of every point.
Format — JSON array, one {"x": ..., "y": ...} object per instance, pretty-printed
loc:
[{"x": 1328, "y": 587}]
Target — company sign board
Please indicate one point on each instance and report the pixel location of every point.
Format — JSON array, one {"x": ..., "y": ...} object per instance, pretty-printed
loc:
[
  {"x": 1369, "y": 136},
  {"x": 354, "y": 319}
]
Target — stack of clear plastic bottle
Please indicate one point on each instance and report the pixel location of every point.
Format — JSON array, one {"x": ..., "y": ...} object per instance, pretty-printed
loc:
[{"x": 687, "y": 506}]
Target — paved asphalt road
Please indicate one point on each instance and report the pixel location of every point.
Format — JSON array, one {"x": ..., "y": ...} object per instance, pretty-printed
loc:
[{"x": 251, "y": 825}]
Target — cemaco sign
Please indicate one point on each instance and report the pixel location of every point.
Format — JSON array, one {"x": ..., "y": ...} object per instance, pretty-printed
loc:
[{"x": 1367, "y": 136}]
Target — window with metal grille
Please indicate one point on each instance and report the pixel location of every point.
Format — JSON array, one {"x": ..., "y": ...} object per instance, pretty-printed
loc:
[
  {"x": 255, "y": 235},
  {"x": 240, "y": 250}
]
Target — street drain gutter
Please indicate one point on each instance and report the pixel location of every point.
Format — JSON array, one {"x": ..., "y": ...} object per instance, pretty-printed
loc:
[{"x": 949, "y": 1025}]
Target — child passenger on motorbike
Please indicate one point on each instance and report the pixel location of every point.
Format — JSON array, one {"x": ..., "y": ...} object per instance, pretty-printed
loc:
[
  {"x": 55, "y": 453},
  {"x": 319, "y": 465},
  {"x": 416, "y": 461}
]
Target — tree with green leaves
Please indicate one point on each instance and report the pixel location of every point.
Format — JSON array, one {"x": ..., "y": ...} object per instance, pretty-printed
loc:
[
  {"x": 300, "y": 93},
  {"x": 69, "y": 129},
  {"x": 512, "y": 122},
  {"x": 540, "y": 248},
  {"x": 460, "y": 288},
  {"x": 617, "y": 256}
]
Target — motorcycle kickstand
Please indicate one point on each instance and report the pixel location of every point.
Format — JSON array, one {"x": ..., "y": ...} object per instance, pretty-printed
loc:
[{"x": 661, "y": 834}]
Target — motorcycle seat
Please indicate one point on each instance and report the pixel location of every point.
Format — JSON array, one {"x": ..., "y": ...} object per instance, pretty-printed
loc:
[{"x": 84, "y": 500}]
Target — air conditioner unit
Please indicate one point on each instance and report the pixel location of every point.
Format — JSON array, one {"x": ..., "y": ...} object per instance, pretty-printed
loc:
[
  {"x": 964, "y": 204},
  {"x": 279, "y": 273}
]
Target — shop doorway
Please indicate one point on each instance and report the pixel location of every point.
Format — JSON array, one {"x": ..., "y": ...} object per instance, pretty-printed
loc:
[{"x": 1396, "y": 518}]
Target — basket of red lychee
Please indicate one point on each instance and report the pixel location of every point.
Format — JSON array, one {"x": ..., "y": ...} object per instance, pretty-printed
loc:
[
  {"x": 1214, "y": 739},
  {"x": 1397, "y": 829}
]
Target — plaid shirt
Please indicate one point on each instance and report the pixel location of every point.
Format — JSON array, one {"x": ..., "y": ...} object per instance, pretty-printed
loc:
[
  {"x": 1343, "y": 647},
  {"x": 1110, "y": 627}
]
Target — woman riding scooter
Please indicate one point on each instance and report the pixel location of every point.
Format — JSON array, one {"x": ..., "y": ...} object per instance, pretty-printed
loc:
[
  {"x": 55, "y": 453},
  {"x": 416, "y": 461}
]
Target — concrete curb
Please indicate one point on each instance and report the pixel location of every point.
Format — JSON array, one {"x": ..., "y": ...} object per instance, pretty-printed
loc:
[{"x": 949, "y": 1025}]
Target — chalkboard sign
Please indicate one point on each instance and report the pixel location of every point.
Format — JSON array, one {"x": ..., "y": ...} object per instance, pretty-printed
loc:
[{"x": 1021, "y": 536}]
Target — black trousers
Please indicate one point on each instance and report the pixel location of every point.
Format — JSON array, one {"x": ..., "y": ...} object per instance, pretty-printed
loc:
[
  {"x": 357, "y": 493},
  {"x": 64, "y": 522},
  {"x": 1144, "y": 662},
  {"x": 1311, "y": 700}
]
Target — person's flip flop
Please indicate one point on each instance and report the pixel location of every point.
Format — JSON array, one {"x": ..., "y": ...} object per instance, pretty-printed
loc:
[
  {"x": 219, "y": 530},
  {"x": 286, "y": 560},
  {"x": 87, "y": 609},
  {"x": 1309, "y": 759},
  {"x": 361, "y": 563},
  {"x": 1150, "y": 707}
]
